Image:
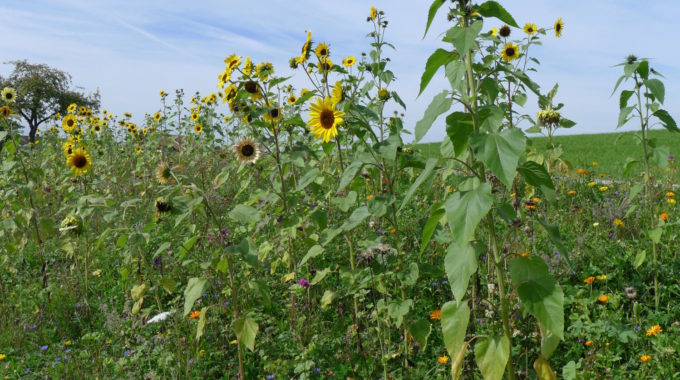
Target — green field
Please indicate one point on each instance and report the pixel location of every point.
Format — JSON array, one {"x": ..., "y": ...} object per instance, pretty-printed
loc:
[{"x": 611, "y": 151}]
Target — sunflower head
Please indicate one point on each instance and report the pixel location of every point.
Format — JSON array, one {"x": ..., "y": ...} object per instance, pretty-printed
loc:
[
  {"x": 273, "y": 115},
  {"x": 325, "y": 65},
  {"x": 233, "y": 62},
  {"x": 510, "y": 52},
  {"x": 322, "y": 51},
  {"x": 8, "y": 94},
  {"x": 631, "y": 58},
  {"x": 79, "y": 161},
  {"x": 194, "y": 116},
  {"x": 337, "y": 93},
  {"x": 247, "y": 67},
  {"x": 264, "y": 70},
  {"x": 198, "y": 129},
  {"x": 494, "y": 31},
  {"x": 373, "y": 13},
  {"x": 72, "y": 108},
  {"x": 530, "y": 28},
  {"x": 251, "y": 87},
  {"x": 69, "y": 123},
  {"x": 324, "y": 119},
  {"x": 157, "y": 116},
  {"x": 163, "y": 173},
  {"x": 247, "y": 151},
  {"x": 5, "y": 112},
  {"x": 559, "y": 27},
  {"x": 504, "y": 31},
  {"x": 163, "y": 205},
  {"x": 349, "y": 61},
  {"x": 292, "y": 99}
]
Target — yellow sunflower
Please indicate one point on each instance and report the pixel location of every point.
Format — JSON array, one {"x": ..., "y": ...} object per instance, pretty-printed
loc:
[
  {"x": 559, "y": 27},
  {"x": 69, "y": 123},
  {"x": 322, "y": 51},
  {"x": 138, "y": 149},
  {"x": 349, "y": 61},
  {"x": 8, "y": 94},
  {"x": 325, "y": 65},
  {"x": 230, "y": 93},
  {"x": 224, "y": 78},
  {"x": 157, "y": 116},
  {"x": 264, "y": 70},
  {"x": 5, "y": 112},
  {"x": 162, "y": 93},
  {"x": 494, "y": 31},
  {"x": 194, "y": 116},
  {"x": 273, "y": 116},
  {"x": 292, "y": 99},
  {"x": 337, "y": 93},
  {"x": 247, "y": 67},
  {"x": 233, "y": 61},
  {"x": 530, "y": 28},
  {"x": 247, "y": 150},
  {"x": 79, "y": 161},
  {"x": 373, "y": 14},
  {"x": 306, "y": 47},
  {"x": 198, "y": 128},
  {"x": 72, "y": 108},
  {"x": 324, "y": 119},
  {"x": 510, "y": 52}
]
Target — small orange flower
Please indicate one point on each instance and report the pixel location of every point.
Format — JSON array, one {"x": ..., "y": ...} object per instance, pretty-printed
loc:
[
  {"x": 369, "y": 197},
  {"x": 436, "y": 314},
  {"x": 582, "y": 172},
  {"x": 589, "y": 343},
  {"x": 603, "y": 298},
  {"x": 536, "y": 199},
  {"x": 645, "y": 358},
  {"x": 195, "y": 314},
  {"x": 525, "y": 254},
  {"x": 443, "y": 359},
  {"x": 670, "y": 194},
  {"x": 393, "y": 230},
  {"x": 619, "y": 223},
  {"x": 589, "y": 280},
  {"x": 654, "y": 330},
  {"x": 664, "y": 216},
  {"x": 571, "y": 192}
]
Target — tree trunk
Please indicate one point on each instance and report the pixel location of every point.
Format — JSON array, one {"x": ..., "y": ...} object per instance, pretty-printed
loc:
[{"x": 32, "y": 132}]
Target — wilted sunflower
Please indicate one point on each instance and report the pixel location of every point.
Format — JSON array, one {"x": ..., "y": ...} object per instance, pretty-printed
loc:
[
  {"x": 505, "y": 31},
  {"x": 9, "y": 94},
  {"x": 163, "y": 173},
  {"x": 349, "y": 61},
  {"x": 324, "y": 119},
  {"x": 337, "y": 93},
  {"x": 510, "y": 52},
  {"x": 79, "y": 161},
  {"x": 322, "y": 51},
  {"x": 198, "y": 128},
  {"x": 530, "y": 28},
  {"x": 264, "y": 70},
  {"x": 5, "y": 112},
  {"x": 559, "y": 26},
  {"x": 251, "y": 87},
  {"x": 247, "y": 150},
  {"x": 72, "y": 108},
  {"x": 69, "y": 123},
  {"x": 292, "y": 99},
  {"x": 157, "y": 116}
]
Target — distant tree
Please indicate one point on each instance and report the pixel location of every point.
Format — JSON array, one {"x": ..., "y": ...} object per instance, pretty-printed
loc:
[{"x": 42, "y": 92}]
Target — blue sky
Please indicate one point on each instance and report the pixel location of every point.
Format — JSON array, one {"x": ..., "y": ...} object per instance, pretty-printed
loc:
[{"x": 130, "y": 50}]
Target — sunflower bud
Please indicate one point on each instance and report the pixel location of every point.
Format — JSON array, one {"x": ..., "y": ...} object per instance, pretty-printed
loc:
[
  {"x": 72, "y": 224},
  {"x": 383, "y": 94},
  {"x": 548, "y": 117},
  {"x": 504, "y": 31}
]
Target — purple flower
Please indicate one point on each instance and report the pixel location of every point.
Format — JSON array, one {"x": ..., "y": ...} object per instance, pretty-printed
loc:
[
  {"x": 380, "y": 231},
  {"x": 33, "y": 327},
  {"x": 637, "y": 328},
  {"x": 67, "y": 351},
  {"x": 671, "y": 158},
  {"x": 78, "y": 305},
  {"x": 158, "y": 261},
  {"x": 271, "y": 377},
  {"x": 28, "y": 370},
  {"x": 444, "y": 282},
  {"x": 580, "y": 340},
  {"x": 226, "y": 303},
  {"x": 304, "y": 283},
  {"x": 435, "y": 284},
  {"x": 225, "y": 231},
  {"x": 191, "y": 361},
  {"x": 57, "y": 359},
  {"x": 44, "y": 348},
  {"x": 317, "y": 370},
  {"x": 126, "y": 353},
  {"x": 212, "y": 239}
]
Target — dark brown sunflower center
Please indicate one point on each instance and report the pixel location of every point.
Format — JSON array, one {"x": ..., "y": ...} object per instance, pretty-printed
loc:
[
  {"x": 505, "y": 31},
  {"x": 510, "y": 52},
  {"x": 162, "y": 206},
  {"x": 247, "y": 150},
  {"x": 69, "y": 122},
  {"x": 233, "y": 63},
  {"x": 274, "y": 113},
  {"x": 79, "y": 161},
  {"x": 96, "y": 128},
  {"x": 9, "y": 96},
  {"x": 327, "y": 119},
  {"x": 558, "y": 27},
  {"x": 323, "y": 52},
  {"x": 251, "y": 87}
]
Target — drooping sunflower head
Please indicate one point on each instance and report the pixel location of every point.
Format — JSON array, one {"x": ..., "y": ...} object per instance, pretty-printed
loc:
[
  {"x": 247, "y": 151},
  {"x": 322, "y": 51},
  {"x": 510, "y": 52},
  {"x": 79, "y": 161},
  {"x": 163, "y": 173},
  {"x": 631, "y": 58},
  {"x": 325, "y": 65},
  {"x": 264, "y": 70},
  {"x": 324, "y": 119},
  {"x": 548, "y": 117},
  {"x": 349, "y": 61},
  {"x": 69, "y": 123},
  {"x": 163, "y": 205},
  {"x": 9, "y": 94},
  {"x": 198, "y": 129},
  {"x": 306, "y": 49},
  {"x": 251, "y": 87},
  {"x": 504, "y": 31},
  {"x": 71, "y": 224},
  {"x": 559, "y": 27},
  {"x": 530, "y": 28}
]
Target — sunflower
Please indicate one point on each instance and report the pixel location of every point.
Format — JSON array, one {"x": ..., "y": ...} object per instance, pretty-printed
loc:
[
  {"x": 530, "y": 28},
  {"x": 322, "y": 51},
  {"x": 510, "y": 52},
  {"x": 251, "y": 87},
  {"x": 224, "y": 78},
  {"x": 292, "y": 99},
  {"x": 247, "y": 150},
  {"x": 264, "y": 70},
  {"x": 230, "y": 93},
  {"x": 9, "y": 94},
  {"x": 559, "y": 26},
  {"x": 198, "y": 128},
  {"x": 373, "y": 14},
  {"x": 494, "y": 32},
  {"x": 163, "y": 173},
  {"x": 306, "y": 48},
  {"x": 324, "y": 119},
  {"x": 79, "y": 161},
  {"x": 504, "y": 31},
  {"x": 273, "y": 116},
  {"x": 194, "y": 116},
  {"x": 5, "y": 112},
  {"x": 72, "y": 108},
  {"x": 157, "y": 116},
  {"x": 162, "y": 93},
  {"x": 138, "y": 149},
  {"x": 69, "y": 123},
  {"x": 337, "y": 93},
  {"x": 325, "y": 65},
  {"x": 233, "y": 61},
  {"x": 247, "y": 67},
  {"x": 349, "y": 61},
  {"x": 163, "y": 205}
]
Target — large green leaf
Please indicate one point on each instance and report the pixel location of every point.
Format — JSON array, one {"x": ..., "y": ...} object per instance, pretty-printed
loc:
[
  {"x": 490, "y": 119},
  {"x": 623, "y": 116},
  {"x": 459, "y": 127},
  {"x": 424, "y": 175},
  {"x": 440, "y": 104},
  {"x": 398, "y": 310},
  {"x": 436, "y": 214},
  {"x": 192, "y": 292},
  {"x": 491, "y": 354},
  {"x": 623, "y": 99},
  {"x": 536, "y": 175},
  {"x": 308, "y": 178},
  {"x": 358, "y": 216},
  {"x": 455, "y": 73},
  {"x": 439, "y": 58},
  {"x": 666, "y": 120},
  {"x": 349, "y": 174},
  {"x": 460, "y": 263},
  {"x": 657, "y": 89},
  {"x": 493, "y": 9},
  {"x": 455, "y": 318},
  {"x": 244, "y": 214},
  {"x": 420, "y": 331},
  {"x": 464, "y": 211},
  {"x": 436, "y": 4},
  {"x": 539, "y": 293},
  {"x": 500, "y": 152},
  {"x": 463, "y": 39},
  {"x": 246, "y": 330}
]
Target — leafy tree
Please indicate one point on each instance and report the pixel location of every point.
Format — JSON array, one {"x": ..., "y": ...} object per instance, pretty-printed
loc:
[{"x": 42, "y": 92}]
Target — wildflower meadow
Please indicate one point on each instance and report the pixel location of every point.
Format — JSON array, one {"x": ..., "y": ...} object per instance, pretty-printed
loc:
[{"x": 266, "y": 231}]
